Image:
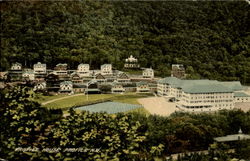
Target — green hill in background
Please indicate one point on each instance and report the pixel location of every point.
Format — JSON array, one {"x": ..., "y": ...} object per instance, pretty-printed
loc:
[{"x": 211, "y": 39}]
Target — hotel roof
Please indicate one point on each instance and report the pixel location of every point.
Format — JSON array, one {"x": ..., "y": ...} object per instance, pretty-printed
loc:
[
  {"x": 141, "y": 83},
  {"x": 241, "y": 94},
  {"x": 234, "y": 85},
  {"x": 83, "y": 65},
  {"x": 202, "y": 86}
]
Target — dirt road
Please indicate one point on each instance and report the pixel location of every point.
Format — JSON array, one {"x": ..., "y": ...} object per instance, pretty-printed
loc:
[{"x": 158, "y": 105}]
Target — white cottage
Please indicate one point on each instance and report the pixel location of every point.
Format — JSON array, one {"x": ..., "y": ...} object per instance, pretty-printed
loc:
[
  {"x": 131, "y": 62},
  {"x": 148, "y": 73},
  {"x": 40, "y": 86},
  {"x": 142, "y": 87},
  {"x": 40, "y": 68},
  {"x": 61, "y": 69},
  {"x": 117, "y": 88},
  {"x": 83, "y": 70},
  {"x": 106, "y": 69},
  {"x": 16, "y": 66},
  {"x": 66, "y": 87},
  {"x": 28, "y": 75}
]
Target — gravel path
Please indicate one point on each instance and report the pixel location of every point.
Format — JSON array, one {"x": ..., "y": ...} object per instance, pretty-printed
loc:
[
  {"x": 158, "y": 105},
  {"x": 244, "y": 106},
  {"x": 57, "y": 99}
]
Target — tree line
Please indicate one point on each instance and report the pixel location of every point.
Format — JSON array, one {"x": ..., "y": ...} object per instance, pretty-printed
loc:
[{"x": 100, "y": 136}]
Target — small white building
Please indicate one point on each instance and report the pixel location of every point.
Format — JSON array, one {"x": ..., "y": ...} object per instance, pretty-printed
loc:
[
  {"x": 131, "y": 62},
  {"x": 28, "y": 75},
  {"x": 66, "y": 87},
  {"x": 61, "y": 69},
  {"x": 40, "y": 68},
  {"x": 83, "y": 70},
  {"x": 16, "y": 66},
  {"x": 148, "y": 73},
  {"x": 131, "y": 59},
  {"x": 117, "y": 88},
  {"x": 40, "y": 86},
  {"x": 142, "y": 87},
  {"x": 106, "y": 69}
]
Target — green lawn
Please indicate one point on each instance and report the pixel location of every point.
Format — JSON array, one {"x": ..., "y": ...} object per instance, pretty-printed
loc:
[
  {"x": 41, "y": 98},
  {"x": 77, "y": 100},
  {"x": 133, "y": 72},
  {"x": 81, "y": 100}
]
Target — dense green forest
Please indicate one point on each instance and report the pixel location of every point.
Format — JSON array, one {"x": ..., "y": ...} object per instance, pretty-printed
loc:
[
  {"x": 211, "y": 39},
  {"x": 132, "y": 136}
]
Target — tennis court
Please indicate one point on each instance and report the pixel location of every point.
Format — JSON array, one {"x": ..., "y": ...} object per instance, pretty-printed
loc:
[{"x": 109, "y": 107}]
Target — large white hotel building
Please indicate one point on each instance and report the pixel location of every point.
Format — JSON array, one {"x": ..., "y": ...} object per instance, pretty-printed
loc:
[{"x": 202, "y": 95}]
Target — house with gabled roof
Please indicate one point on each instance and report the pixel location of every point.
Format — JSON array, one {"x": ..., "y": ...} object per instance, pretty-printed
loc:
[
  {"x": 83, "y": 70},
  {"x": 15, "y": 72},
  {"x": 16, "y": 66},
  {"x": 53, "y": 82},
  {"x": 79, "y": 88},
  {"x": 66, "y": 87},
  {"x": 40, "y": 86},
  {"x": 76, "y": 78},
  {"x": 117, "y": 88},
  {"x": 100, "y": 78},
  {"x": 148, "y": 73},
  {"x": 61, "y": 69},
  {"x": 123, "y": 78},
  {"x": 62, "y": 72},
  {"x": 142, "y": 87},
  {"x": 28, "y": 75},
  {"x": 106, "y": 69},
  {"x": 131, "y": 62},
  {"x": 40, "y": 68}
]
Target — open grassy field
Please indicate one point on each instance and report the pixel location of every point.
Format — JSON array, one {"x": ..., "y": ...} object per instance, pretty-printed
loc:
[
  {"x": 41, "y": 98},
  {"x": 133, "y": 72},
  {"x": 79, "y": 100}
]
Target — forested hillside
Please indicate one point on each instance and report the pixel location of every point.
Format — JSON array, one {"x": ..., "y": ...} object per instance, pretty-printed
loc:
[{"x": 211, "y": 39}]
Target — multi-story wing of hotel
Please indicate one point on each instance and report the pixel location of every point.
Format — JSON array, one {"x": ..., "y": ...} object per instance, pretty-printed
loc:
[{"x": 202, "y": 95}]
